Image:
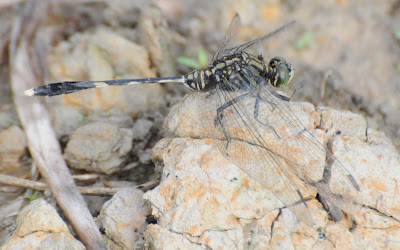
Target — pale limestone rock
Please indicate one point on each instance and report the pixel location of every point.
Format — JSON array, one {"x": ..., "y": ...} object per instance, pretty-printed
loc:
[
  {"x": 39, "y": 226},
  {"x": 124, "y": 218},
  {"x": 206, "y": 200},
  {"x": 99, "y": 54}
]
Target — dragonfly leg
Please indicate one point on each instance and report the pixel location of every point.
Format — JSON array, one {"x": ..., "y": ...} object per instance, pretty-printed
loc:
[
  {"x": 220, "y": 115},
  {"x": 256, "y": 109}
]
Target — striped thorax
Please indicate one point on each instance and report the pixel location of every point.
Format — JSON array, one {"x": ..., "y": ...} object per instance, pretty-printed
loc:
[{"x": 277, "y": 72}]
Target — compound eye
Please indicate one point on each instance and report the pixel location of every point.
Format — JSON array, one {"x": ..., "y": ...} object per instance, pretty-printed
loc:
[{"x": 283, "y": 71}]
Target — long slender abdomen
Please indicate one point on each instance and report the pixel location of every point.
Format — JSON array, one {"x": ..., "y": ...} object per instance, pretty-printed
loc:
[{"x": 60, "y": 88}]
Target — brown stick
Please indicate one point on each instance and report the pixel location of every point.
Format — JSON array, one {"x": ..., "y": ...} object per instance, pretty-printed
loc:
[
  {"x": 36, "y": 185},
  {"x": 41, "y": 138},
  {"x": 15, "y": 181}
]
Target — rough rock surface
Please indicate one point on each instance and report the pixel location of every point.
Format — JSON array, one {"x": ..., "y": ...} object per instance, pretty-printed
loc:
[
  {"x": 101, "y": 54},
  {"x": 66, "y": 119},
  {"x": 12, "y": 148},
  {"x": 99, "y": 147},
  {"x": 40, "y": 227},
  {"x": 112, "y": 116},
  {"x": 124, "y": 218},
  {"x": 206, "y": 201}
]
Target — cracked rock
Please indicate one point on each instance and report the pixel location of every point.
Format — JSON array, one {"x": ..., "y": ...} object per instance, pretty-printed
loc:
[
  {"x": 204, "y": 200},
  {"x": 124, "y": 218}
]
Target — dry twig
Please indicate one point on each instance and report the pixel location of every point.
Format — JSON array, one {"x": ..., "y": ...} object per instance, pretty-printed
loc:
[
  {"x": 40, "y": 186},
  {"x": 41, "y": 138}
]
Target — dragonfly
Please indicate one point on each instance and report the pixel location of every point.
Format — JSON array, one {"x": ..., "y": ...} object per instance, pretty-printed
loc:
[{"x": 241, "y": 91}]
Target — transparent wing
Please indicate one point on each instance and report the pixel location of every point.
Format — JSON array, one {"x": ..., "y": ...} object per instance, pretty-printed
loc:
[
  {"x": 303, "y": 151},
  {"x": 255, "y": 42},
  {"x": 244, "y": 141},
  {"x": 258, "y": 131},
  {"x": 231, "y": 33}
]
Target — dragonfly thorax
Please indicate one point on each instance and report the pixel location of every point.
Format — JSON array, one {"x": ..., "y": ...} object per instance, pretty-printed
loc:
[
  {"x": 232, "y": 70},
  {"x": 217, "y": 71},
  {"x": 220, "y": 70}
]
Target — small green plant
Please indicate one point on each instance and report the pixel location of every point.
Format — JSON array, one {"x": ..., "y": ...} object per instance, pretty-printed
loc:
[
  {"x": 202, "y": 60},
  {"x": 305, "y": 40},
  {"x": 9, "y": 119},
  {"x": 80, "y": 118},
  {"x": 33, "y": 196},
  {"x": 397, "y": 33}
]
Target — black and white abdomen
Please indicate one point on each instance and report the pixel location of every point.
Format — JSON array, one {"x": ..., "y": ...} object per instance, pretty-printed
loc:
[{"x": 200, "y": 80}]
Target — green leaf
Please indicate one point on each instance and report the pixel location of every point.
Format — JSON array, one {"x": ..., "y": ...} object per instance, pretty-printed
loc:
[
  {"x": 305, "y": 40},
  {"x": 189, "y": 62},
  {"x": 202, "y": 58},
  {"x": 33, "y": 196},
  {"x": 397, "y": 33},
  {"x": 398, "y": 67},
  {"x": 80, "y": 118}
]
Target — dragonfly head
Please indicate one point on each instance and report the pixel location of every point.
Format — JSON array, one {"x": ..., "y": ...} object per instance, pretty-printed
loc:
[{"x": 282, "y": 71}]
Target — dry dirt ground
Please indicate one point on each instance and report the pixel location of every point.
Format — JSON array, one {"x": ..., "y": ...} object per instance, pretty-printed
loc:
[{"x": 345, "y": 54}]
